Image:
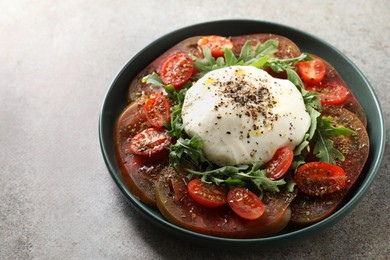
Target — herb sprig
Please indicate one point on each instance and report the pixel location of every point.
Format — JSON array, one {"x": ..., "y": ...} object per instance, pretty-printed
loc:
[
  {"x": 324, "y": 148},
  {"x": 190, "y": 152},
  {"x": 248, "y": 56},
  {"x": 240, "y": 175}
]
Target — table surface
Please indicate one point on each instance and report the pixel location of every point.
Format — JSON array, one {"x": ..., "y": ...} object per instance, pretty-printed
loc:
[{"x": 57, "y": 60}]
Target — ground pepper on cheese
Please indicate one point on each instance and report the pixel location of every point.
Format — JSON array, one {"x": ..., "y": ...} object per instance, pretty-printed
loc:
[{"x": 244, "y": 115}]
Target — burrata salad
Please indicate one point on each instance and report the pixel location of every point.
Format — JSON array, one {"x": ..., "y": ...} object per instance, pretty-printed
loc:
[{"x": 240, "y": 136}]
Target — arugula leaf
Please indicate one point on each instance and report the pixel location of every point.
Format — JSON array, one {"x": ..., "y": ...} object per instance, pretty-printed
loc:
[
  {"x": 249, "y": 55},
  {"x": 314, "y": 115},
  {"x": 230, "y": 59},
  {"x": 295, "y": 79},
  {"x": 240, "y": 175},
  {"x": 176, "y": 127},
  {"x": 257, "y": 57},
  {"x": 246, "y": 52},
  {"x": 190, "y": 151},
  {"x": 153, "y": 79},
  {"x": 208, "y": 63},
  {"x": 269, "y": 47},
  {"x": 260, "y": 62},
  {"x": 328, "y": 130},
  {"x": 280, "y": 65},
  {"x": 324, "y": 149},
  {"x": 289, "y": 176}
]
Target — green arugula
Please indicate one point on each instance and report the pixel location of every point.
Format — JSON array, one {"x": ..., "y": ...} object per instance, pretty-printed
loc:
[
  {"x": 153, "y": 79},
  {"x": 189, "y": 151},
  {"x": 249, "y": 56},
  {"x": 240, "y": 175},
  {"x": 324, "y": 148}
]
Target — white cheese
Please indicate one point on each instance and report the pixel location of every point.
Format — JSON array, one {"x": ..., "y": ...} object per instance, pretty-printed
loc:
[{"x": 244, "y": 115}]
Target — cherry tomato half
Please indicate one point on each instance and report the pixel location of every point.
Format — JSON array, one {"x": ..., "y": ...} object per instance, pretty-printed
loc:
[
  {"x": 150, "y": 141},
  {"x": 320, "y": 178},
  {"x": 177, "y": 69},
  {"x": 312, "y": 72},
  {"x": 216, "y": 44},
  {"x": 245, "y": 203},
  {"x": 208, "y": 195},
  {"x": 330, "y": 93},
  {"x": 280, "y": 163},
  {"x": 157, "y": 110}
]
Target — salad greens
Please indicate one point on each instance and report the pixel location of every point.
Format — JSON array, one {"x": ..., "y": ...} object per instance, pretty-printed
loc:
[
  {"x": 240, "y": 175},
  {"x": 324, "y": 148},
  {"x": 189, "y": 151}
]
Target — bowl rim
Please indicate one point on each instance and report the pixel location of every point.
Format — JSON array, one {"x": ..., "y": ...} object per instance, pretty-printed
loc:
[{"x": 290, "y": 235}]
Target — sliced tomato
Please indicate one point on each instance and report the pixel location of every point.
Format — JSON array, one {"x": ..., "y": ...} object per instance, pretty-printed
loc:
[
  {"x": 150, "y": 141},
  {"x": 280, "y": 163},
  {"x": 320, "y": 178},
  {"x": 138, "y": 172},
  {"x": 312, "y": 72},
  {"x": 216, "y": 44},
  {"x": 308, "y": 209},
  {"x": 179, "y": 208},
  {"x": 207, "y": 195},
  {"x": 330, "y": 93},
  {"x": 177, "y": 69},
  {"x": 157, "y": 110},
  {"x": 245, "y": 203}
]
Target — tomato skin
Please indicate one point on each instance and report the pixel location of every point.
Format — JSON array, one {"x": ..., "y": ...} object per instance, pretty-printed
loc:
[
  {"x": 308, "y": 209},
  {"x": 216, "y": 44},
  {"x": 207, "y": 195},
  {"x": 330, "y": 93},
  {"x": 157, "y": 110},
  {"x": 245, "y": 203},
  {"x": 149, "y": 142},
  {"x": 177, "y": 69},
  {"x": 138, "y": 172},
  {"x": 179, "y": 208},
  {"x": 312, "y": 72},
  {"x": 320, "y": 178},
  {"x": 280, "y": 163}
]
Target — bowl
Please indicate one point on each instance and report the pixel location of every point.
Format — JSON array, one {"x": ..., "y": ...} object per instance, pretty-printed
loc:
[{"x": 115, "y": 101}]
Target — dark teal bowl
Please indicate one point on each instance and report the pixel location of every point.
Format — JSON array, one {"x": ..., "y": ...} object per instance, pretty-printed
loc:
[{"x": 115, "y": 101}]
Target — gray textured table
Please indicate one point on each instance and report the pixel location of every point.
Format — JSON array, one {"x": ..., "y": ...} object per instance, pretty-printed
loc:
[{"x": 57, "y": 59}]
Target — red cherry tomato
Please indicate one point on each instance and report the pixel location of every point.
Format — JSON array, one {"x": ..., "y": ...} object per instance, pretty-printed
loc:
[
  {"x": 150, "y": 141},
  {"x": 207, "y": 195},
  {"x": 245, "y": 203},
  {"x": 157, "y": 110},
  {"x": 330, "y": 93},
  {"x": 280, "y": 163},
  {"x": 312, "y": 72},
  {"x": 216, "y": 44},
  {"x": 320, "y": 178},
  {"x": 177, "y": 69}
]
